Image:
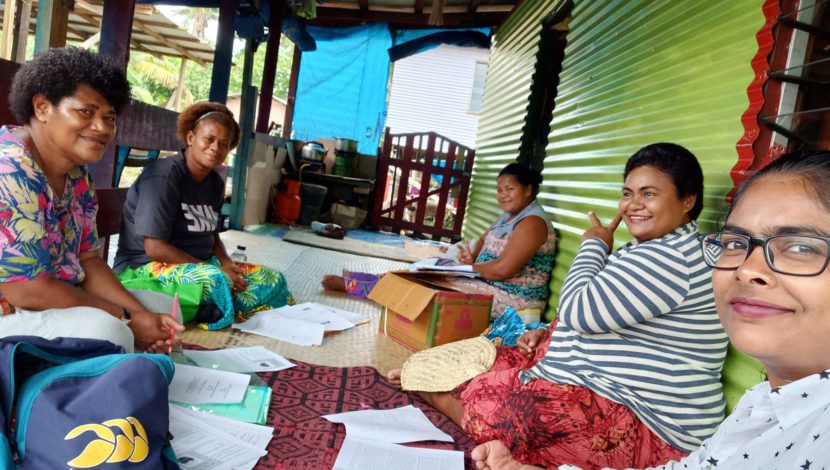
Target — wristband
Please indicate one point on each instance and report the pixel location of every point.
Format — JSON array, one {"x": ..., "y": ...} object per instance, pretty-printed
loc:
[{"x": 126, "y": 315}]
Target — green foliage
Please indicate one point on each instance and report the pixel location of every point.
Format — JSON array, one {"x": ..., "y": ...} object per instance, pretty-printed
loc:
[{"x": 154, "y": 80}]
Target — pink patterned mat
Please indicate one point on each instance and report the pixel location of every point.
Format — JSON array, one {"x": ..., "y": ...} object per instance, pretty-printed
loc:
[{"x": 305, "y": 441}]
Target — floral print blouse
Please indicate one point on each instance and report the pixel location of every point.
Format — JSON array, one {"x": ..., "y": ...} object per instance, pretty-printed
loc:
[{"x": 41, "y": 234}]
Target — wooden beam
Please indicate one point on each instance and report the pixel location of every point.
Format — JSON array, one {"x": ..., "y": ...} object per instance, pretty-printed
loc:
[
  {"x": 52, "y": 19},
  {"x": 223, "y": 54},
  {"x": 169, "y": 42},
  {"x": 290, "y": 101},
  {"x": 93, "y": 20},
  {"x": 117, "y": 29},
  {"x": 91, "y": 41},
  {"x": 22, "y": 38},
  {"x": 327, "y": 16},
  {"x": 419, "y": 6},
  {"x": 272, "y": 52},
  {"x": 474, "y": 5},
  {"x": 9, "y": 10},
  {"x": 364, "y": 5}
]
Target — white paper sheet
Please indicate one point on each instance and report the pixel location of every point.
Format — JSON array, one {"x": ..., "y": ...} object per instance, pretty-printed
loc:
[
  {"x": 254, "y": 434},
  {"x": 360, "y": 454},
  {"x": 405, "y": 424},
  {"x": 313, "y": 313},
  {"x": 252, "y": 359},
  {"x": 199, "y": 446},
  {"x": 291, "y": 331},
  {"x": 199, "y": 385},
  {"x": 353, "y": 317}
]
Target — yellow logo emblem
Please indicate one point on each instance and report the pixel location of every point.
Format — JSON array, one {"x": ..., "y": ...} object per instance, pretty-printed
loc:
[{"x": 130, "y": 444}]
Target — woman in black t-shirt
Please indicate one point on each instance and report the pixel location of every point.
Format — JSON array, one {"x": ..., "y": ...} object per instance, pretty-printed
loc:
[{"x": 170, "y": 229}]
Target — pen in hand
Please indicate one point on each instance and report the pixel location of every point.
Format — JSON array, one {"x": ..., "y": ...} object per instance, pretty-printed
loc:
[{"x": 175, "y": 317}]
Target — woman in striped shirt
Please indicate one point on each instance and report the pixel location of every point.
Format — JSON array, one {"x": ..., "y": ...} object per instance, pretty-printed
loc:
[{"x": 630, "y": 373}]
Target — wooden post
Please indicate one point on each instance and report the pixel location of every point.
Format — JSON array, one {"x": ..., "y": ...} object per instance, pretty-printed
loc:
[
  {"x": 271, "y": 57},
  {"x": 291, "y": 100},
  {"x": 9, "y": 10},
  {"x": 22, "y": 37},
  {"x": 223, "y": 54},
  {"x": 116, "y": 31},
  {"x": 52, "y": 20},
  {"x": 247, "y": 107}
]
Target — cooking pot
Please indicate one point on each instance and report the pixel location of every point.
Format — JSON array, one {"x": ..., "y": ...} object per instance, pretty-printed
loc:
[
  {"x": 345, "y": 145},
  {"x": 314, "y": 151}
]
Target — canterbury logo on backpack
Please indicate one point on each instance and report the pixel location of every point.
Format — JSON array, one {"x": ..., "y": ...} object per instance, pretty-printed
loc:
[
  {"x": 82, "y": 404},
  {"x": 130, "y": 444}
]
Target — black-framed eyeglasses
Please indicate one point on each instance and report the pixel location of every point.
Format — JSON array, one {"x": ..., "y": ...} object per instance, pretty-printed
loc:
[{"x": 796, "y": 255}]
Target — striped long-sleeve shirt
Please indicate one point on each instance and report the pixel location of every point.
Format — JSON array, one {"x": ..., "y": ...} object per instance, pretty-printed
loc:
[{"x": 639, "y": 327}]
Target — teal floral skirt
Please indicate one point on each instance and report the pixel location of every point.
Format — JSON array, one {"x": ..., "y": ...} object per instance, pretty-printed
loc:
[{"x": 266, "y": 289}]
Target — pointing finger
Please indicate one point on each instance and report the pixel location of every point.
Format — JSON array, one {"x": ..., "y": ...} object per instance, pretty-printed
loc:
[
  {"x": 616, "y": 222},
  {"x": 594, "y": 219}
]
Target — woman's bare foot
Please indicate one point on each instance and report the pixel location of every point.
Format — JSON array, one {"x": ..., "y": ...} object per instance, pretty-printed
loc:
[
  {"x": 394, "y": 377},
  {"x": 334, "y": 282}
]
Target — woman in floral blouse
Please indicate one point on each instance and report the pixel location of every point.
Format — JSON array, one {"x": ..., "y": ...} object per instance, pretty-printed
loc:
[{"x": 52, "y": 280}]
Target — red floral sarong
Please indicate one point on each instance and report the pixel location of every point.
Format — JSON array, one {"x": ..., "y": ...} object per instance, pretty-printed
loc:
[{"x": 548, "y": 424}]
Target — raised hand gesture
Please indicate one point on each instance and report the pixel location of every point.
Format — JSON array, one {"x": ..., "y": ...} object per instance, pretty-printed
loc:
[{"x": 606, "y": 234}]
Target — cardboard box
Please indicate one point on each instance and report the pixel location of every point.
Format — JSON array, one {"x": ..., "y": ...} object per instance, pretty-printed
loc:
[{"x": 421, "y": 315}]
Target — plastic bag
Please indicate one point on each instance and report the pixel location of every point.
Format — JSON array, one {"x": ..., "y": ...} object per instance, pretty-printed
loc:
[{"x": 190, "y": 295}]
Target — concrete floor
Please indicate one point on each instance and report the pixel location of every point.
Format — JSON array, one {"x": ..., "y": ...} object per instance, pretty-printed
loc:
[{"x": 304, "y": 267}]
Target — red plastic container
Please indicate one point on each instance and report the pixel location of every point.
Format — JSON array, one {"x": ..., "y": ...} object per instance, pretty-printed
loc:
[{"x": 287, "y": 205}]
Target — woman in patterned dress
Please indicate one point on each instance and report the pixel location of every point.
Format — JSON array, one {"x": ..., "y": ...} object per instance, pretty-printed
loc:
[
  {"x": 514, "y": 257},
  {"x": 170, "y": 229}
]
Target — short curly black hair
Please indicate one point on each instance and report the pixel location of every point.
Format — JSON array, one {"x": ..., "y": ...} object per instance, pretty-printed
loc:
[
  {"x": 210, "y": 111},
  {"x": 56, "y": 74},
  {"x": 679, "y": 164}
]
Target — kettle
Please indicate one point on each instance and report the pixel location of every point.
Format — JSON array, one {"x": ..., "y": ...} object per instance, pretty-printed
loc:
[{"x": 314, "y": 151}]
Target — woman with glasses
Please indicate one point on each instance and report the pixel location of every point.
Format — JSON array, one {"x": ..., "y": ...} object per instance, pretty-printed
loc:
[
  {"x": 630, "y": 372},
  {"x": 771, "y": 287}
]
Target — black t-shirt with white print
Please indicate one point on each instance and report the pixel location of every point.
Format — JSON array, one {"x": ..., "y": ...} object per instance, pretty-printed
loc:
[{"x": 167, "y": 203}]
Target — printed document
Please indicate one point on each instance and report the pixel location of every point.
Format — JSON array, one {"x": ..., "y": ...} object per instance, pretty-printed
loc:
[
  {"x": 251, "y": 359},
  {"x": 199, "y": 446},
  {"x": 254, "y": 434},
  {"x": 291, "y": 331},
  {"x": 198, "y": 385},
  {"x": 312, "y": 313},
  {"x": 398, "y": 425},
  {"x": 360, "y": 454}
]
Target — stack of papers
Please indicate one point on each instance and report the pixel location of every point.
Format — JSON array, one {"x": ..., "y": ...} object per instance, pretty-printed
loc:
[
  {"x": 301, "y": 324},
  {"x": 372, "y": 438},
  {"x": 207, "y": 442},
  {"x": 444, "y": 266}
]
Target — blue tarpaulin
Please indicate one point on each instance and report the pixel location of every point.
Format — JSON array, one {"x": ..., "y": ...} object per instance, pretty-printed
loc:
[{"x": 342, "y": 86}]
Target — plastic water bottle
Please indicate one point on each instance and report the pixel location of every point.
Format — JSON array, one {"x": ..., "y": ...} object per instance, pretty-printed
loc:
[{"x": 239, "y": 256}]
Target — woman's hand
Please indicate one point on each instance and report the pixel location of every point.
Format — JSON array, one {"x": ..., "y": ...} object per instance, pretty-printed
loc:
[
  {"x": 152, "y": 331},
  {"x": 465, "y": 254},
  {"x": 237, "y": 276},
  {"x": 529, "y": 340},
  {"x": 606, "y": 234}
]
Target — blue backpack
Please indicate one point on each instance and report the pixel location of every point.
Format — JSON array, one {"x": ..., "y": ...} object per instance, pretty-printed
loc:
[{"x": 82, "y": 403}]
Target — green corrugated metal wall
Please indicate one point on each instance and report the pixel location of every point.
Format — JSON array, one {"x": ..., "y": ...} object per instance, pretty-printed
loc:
[{"x": 635, "y": 72}]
